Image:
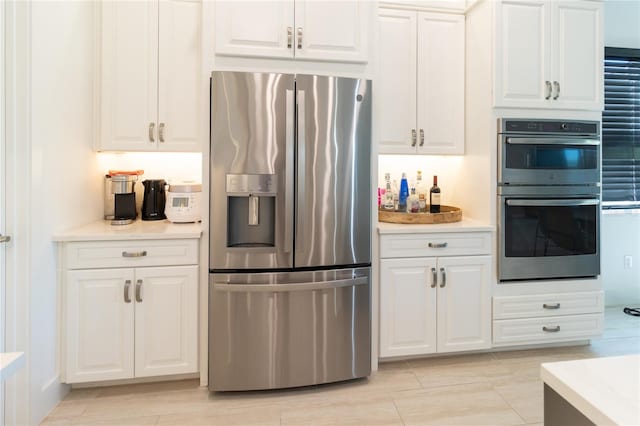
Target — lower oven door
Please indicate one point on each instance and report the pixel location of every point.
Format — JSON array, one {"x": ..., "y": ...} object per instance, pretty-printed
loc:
[
  {"x": 278, "y": 330},
  {"x": 547, "y": 238}
]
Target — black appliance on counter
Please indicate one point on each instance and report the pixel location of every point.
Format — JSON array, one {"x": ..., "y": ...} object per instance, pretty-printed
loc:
[{"x": 154, "y": 199}]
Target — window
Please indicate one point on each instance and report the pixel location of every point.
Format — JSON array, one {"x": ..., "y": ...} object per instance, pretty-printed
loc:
[{"x": 621, "y": 129}]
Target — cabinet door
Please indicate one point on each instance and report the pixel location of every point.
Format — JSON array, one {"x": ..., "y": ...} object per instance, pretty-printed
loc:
[
  {"x": 522, "y": 61},
  {"x": 129, "y": 76},
  {"x": 578, "y": 55},
  {"x": 180, "y": 76},
  {"x": 395, "y": 85},
  {"x": 407, "y": 307},
  {"x": 166, "y": 320},
  {"x": 254, "y": 28},
  {"x": 332, "y": 30},
  {"x": 99, "y": 325},
  {"x": 440, "y": 83},
  {"x": 464, "y": 303}
]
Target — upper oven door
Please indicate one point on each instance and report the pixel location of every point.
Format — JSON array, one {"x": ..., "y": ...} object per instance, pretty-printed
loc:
[
  {"x": 549, "y": 237},
  {"x": 546, "y": 160}
]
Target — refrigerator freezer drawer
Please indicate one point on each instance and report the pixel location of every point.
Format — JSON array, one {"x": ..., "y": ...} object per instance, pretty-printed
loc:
[{"x": 271, "y": 331}]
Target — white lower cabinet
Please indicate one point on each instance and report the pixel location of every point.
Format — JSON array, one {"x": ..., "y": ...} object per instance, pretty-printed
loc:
[
  {"x": 433, "y": 304},
  {"x": 123, "y": 323},
  {"x": 547, "y": 318}
]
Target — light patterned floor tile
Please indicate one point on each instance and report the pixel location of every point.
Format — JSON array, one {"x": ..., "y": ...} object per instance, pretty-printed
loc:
[{"x": 370, "y": 413}]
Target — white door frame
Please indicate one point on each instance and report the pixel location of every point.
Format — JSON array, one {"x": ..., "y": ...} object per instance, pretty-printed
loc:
[{"x": 17, "y": 74}]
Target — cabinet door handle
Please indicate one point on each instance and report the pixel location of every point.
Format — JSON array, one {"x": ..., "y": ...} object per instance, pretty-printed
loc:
[
  {"x": 557, "y": 86},
  {"x": 152, "y": 127},
  {"x": 414, "y": 137},
  {"x": 547, "y": 85},
  {"x": 437, "y": 245},
  {"x": 139, "y": 291},
  {"x": 134, "y": 254},
  {"x": 289, "y": 37},
  {"x": 443, "y": 272},
  {"x": 299, "y": 37},
  {"x": 551, "y": 329},
  {"x": 434, "y": 277},
  {"x": 421, "y": 137},
  {"x": 161, "y": 132},
  {"x": 127, "y": 287},
  {"x": 554, "y": 306}
]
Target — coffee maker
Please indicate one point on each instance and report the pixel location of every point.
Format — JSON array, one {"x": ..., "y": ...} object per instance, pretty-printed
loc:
[
  {"x": 154, "y": 199},
  {"x": 120, "y": 198}
]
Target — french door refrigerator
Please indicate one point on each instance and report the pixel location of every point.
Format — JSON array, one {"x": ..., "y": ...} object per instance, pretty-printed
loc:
[{"x": 290, "y": 230}]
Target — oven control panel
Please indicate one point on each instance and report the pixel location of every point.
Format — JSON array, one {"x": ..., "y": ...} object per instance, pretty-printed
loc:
[{"x": 550, "y": 126}]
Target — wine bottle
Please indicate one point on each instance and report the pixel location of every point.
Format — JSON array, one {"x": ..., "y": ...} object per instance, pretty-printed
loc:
[
  {"x": 434, "y": 197},
  {"x": 388, "y": 194}
]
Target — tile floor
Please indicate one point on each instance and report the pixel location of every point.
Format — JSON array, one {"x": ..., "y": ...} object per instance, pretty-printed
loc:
[{"x": 498, "y": 388}]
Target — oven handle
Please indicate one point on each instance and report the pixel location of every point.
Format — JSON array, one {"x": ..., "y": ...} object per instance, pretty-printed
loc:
[
  {"x": 551, "y": 141},
  {"x": 552, "y": 202}
]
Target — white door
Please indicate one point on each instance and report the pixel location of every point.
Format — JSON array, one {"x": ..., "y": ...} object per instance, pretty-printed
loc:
[
  {"x": 407, "y": 306},
  {"x": 254, "y": 28},
  {"x": 578, "y": 55},
  {"x": 522, "y": 45},
  {"x": 332, "y": 30},
  {"x": 395, "y": 84},
  {"x": 464, "y": 303},
  {"x": 99, "y": 325},
  {"x": 129, "y": 76},
  {"x": 166, "y": 321},
  {"x": 179, "y": 76},
  {"x": 441, "y": 77}
]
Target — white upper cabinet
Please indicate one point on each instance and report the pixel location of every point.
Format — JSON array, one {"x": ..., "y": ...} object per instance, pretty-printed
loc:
[
  {"x": 150, "y": 83},
  {"x": 420, "y": 77},
  {"x": 302, "y": 29},
  {"x": 548, "y": 54}
]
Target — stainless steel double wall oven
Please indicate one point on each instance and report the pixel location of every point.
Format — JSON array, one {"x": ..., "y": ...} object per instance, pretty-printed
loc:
[
  {"x": 548, "y": 199},
  {"x": 290, "y": 236}
]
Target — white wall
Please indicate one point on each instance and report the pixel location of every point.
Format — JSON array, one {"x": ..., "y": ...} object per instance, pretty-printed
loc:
[
  {"x": 620, "y": 234},
  {"x": 63, "y": 192},
  {"x": 622, "y": 23}
]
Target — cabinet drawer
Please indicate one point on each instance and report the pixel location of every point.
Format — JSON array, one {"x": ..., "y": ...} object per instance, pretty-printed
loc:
[
  {"x": 436, "y": 244},
  {"x": 114, "y": 254},
  {"x": 547, "y": 305},
  {"x": 558, "y": 329}
]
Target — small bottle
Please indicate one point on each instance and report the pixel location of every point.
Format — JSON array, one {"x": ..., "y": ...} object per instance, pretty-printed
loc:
[
  {"x": 434, "y": 197},
  {"x": 389, "y": 203},
  {"x": 421, "y": 192},
  {"x": 413, "y": 204},
  {"x": 404, "y": 193}
]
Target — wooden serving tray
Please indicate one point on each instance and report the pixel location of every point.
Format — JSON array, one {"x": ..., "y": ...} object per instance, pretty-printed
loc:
[{"x": 448, "y": 214}]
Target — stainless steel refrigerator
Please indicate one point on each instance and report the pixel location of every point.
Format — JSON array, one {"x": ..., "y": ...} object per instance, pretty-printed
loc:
[{"x": 290, "y": 230}]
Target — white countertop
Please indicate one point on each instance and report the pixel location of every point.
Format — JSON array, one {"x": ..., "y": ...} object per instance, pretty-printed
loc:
[
  {"x": 465, "y": 225},
  {"x": 102, "y": 230},
  {"x": 605, "y": 390},
  {"x": 10, "y": 362}
]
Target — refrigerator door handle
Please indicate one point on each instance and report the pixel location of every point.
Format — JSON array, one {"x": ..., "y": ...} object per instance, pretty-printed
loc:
[
  {"x": 310, "y": 286},
  {"x": 301, "y": 157},
  {"x": 289, "y": 160}
]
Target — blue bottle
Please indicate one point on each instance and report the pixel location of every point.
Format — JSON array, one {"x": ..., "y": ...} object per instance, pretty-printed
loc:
[{"x": 404, "y": 194}]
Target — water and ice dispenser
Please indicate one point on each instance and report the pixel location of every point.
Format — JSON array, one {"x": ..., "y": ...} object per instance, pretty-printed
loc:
[{"x": 251, "y": 210}]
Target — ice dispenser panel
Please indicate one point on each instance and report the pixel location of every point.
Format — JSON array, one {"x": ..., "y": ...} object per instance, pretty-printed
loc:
[{"x": 251, "y": 205}]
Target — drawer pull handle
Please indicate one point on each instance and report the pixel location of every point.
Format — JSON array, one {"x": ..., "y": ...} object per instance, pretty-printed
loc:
[
  {"x": 139, "y": 291},
  {"x": 437, "y": 245},
  {"x": 127, "y": 287},
  {"x": 554, "y": 306},
  {"x": 551, "y": 329},
  {"x": 434, "y": 277},
  {"x": 134, "y": 254}
]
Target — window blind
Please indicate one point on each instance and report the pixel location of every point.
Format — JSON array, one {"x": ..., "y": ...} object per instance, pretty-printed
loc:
[{"x": 621, "y": 129}]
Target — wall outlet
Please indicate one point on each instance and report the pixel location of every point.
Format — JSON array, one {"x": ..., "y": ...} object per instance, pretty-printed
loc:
[{"x": 628, "y": 262}]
